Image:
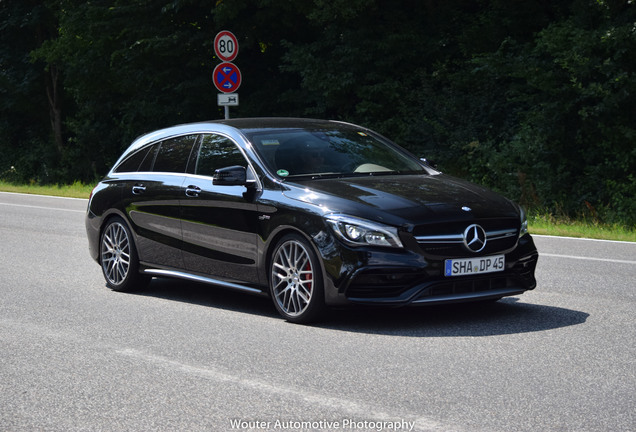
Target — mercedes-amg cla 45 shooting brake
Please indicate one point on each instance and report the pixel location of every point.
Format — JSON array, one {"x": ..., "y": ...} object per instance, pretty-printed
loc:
[{"x": 312, "y": 213}]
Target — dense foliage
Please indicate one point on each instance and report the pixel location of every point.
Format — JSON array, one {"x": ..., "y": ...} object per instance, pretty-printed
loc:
[{"x": 535, "y": 99}]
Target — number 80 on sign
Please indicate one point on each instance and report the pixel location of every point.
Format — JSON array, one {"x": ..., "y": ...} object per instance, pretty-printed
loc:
[{"x": 226, "y": 46}]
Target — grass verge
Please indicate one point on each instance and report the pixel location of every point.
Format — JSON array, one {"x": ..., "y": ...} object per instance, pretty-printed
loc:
[
  {"x": 565, "y": 227},
  {"x": 539, "y": 224},
  {"x": 76, "y": 190}
]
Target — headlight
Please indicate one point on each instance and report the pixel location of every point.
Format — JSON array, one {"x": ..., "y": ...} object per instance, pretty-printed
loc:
[
  {"x": 361, "y": 232},
  {"x": 524, "y": 222}
]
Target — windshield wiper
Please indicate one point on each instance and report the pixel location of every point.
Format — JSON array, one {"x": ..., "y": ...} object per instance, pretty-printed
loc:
[
  {"x": 331, "y": 175},
  {"x": 314, "y": 176}
]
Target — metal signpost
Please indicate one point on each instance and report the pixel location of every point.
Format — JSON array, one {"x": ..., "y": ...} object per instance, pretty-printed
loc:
[{"x": 226, "y": 76}]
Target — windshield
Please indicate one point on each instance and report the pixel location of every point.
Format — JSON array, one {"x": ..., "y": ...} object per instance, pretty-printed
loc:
[{"x": 330, "y": 152}]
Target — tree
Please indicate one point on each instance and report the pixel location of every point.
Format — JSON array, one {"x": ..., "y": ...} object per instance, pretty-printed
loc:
[
  {"x": 534, "y": 99},
  {"x": 573, "y": 135},
  {"x": 30, "y": 124}
]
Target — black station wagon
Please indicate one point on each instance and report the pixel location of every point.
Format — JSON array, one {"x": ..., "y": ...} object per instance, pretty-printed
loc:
[{"x": 310, "y": 212}]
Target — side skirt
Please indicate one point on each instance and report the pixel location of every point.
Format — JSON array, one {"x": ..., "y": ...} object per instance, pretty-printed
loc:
[{"x": 203, "y": 279}]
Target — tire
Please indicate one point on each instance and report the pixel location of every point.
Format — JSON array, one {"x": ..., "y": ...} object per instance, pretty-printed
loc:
[
  {"x": 118, "y": 257},
  {"x": 296, "y": 280}
]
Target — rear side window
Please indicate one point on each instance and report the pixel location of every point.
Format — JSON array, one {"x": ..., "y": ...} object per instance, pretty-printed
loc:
[
  {"x": 146, "y": 164},
  {"x": 173, "y": 154},
  {"x": 217, "y": 152},
  {"x": 134, "y": 161}
]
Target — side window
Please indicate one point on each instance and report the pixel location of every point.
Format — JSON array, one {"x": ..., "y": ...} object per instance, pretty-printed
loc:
[
  {"x": 173, "y": 154},
  {"x": 146, "y": 164},
  {"x": 217, "y": 152},
  {"x": 133, "y": 162}
]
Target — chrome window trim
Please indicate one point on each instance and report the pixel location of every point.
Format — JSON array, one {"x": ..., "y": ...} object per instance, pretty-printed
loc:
[
  {"x": 184, "y": 130},
  {"x": 146, "y": 174}
]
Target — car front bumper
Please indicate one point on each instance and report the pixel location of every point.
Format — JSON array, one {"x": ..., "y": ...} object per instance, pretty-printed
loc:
[{"x": 409, "y": 279}]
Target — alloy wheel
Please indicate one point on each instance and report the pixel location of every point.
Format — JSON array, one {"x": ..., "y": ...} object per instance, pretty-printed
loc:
[
  {"x": 115, "y": 253},
  {"x": 293, "y": 278}
]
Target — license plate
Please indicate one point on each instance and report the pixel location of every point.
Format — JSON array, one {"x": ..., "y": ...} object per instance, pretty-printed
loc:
[{"x": 471, "y": 266}]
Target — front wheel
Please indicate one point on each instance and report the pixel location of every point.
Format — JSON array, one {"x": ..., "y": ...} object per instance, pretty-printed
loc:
[
  {"x": 296, "y": 280},
  {"x": 118, "y": 257}
]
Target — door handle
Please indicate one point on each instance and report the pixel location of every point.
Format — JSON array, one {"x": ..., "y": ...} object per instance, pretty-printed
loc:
[
  {"x": 192, "y": 191},
  {"x": 138, "y": 189}
]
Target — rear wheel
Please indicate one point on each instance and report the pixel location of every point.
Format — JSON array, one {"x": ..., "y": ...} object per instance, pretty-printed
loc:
[
  {"x": 296, "y": 280},
  {"x": 118, "y": 258}
]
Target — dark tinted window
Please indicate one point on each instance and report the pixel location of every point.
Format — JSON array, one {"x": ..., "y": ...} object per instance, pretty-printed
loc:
[
  {"x": 173, "y": 154},
  {"x": 146, "y": 164},
  {"x": 217, "y": 152},
  {"x": 132, "y": 163}
]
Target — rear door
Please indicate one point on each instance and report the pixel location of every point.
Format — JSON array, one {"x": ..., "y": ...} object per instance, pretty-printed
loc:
[
  {"x": 219, "y": 223},
  {"x": 151, "y": 197}
]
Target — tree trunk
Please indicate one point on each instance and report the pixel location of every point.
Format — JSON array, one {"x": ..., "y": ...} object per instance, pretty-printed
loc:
[{"x": 55, "y": 110}]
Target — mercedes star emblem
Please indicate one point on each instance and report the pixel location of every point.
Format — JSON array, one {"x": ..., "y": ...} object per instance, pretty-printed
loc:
[{"x": 475, "y": 238}]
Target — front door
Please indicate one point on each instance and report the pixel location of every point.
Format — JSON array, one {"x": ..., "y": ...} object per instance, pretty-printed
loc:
[{"x": 219, "y": 223}]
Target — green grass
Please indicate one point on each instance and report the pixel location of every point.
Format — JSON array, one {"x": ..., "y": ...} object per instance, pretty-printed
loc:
[
  {"x": 539, "y": 223},
  {"x": 76, "y": 190},
  {"x": 566, "y": 227}
]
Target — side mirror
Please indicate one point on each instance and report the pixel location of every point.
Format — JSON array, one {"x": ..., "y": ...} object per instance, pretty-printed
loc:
[{"x": 230, "y": 176}]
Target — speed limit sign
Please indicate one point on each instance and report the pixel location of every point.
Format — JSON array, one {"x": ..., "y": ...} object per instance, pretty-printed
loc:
[{"x": 226, "y": 46}]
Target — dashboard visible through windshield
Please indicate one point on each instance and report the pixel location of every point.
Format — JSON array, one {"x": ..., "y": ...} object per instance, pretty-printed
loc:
[{"x": 332, "y": 152}]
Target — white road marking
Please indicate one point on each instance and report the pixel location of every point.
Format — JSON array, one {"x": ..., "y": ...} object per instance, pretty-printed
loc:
[
  {"x": 356, "y": 410},
  {"x": 42, "y": 207},
  {"x": 335, "y": 403},
  {"x": 587, "y": 258},
  {"x": 583, "y": 239},
  {"x": 42, "y": 196}
]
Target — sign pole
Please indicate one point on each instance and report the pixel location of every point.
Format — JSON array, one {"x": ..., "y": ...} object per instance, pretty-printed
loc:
[{"x": 227, "y": 112}]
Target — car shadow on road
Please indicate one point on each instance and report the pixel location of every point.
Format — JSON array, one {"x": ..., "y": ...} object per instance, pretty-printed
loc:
[
  {"x": 507, "y": 316},
  {"x": 209, "y": 296}
]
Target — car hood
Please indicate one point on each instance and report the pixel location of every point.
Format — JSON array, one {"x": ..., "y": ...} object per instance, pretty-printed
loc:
[{"x": 399, "y": 199}]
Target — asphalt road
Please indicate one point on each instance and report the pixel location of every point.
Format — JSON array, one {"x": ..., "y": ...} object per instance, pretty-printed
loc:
[{"x": 75, "y": 356}]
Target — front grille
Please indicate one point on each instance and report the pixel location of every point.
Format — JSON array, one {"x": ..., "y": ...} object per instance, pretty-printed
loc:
[{"x": 447, "y": 241}]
